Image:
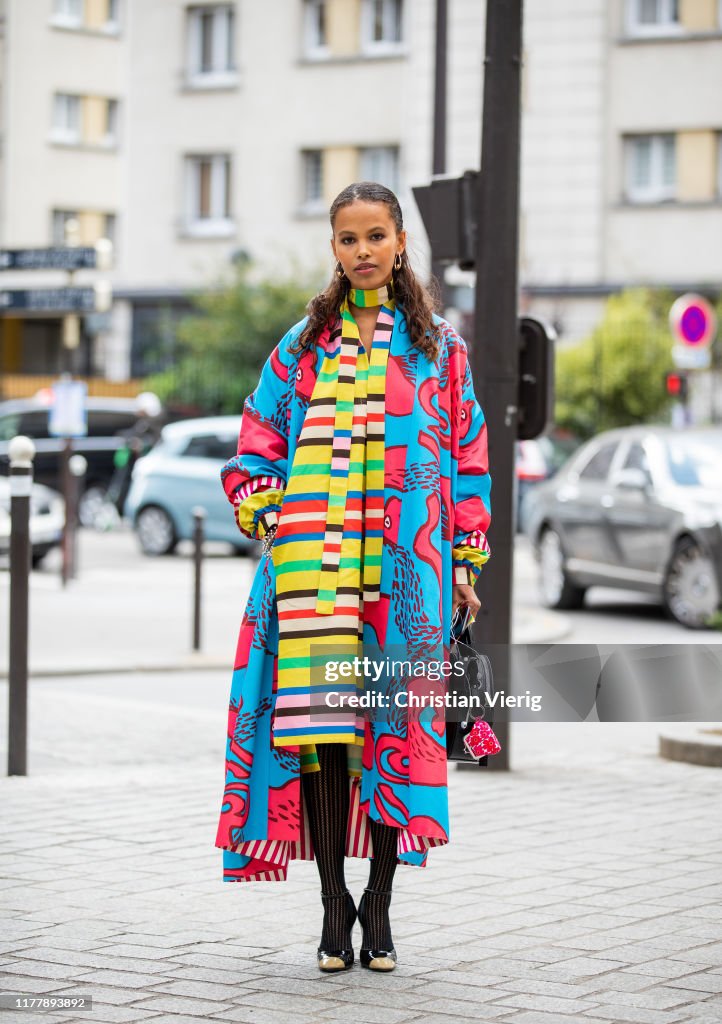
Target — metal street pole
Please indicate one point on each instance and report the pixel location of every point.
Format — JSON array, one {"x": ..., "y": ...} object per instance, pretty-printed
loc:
[
  {"x": 78, "y": 466},
  {"x": 199, "y": 516},
  {"x": 495, "y": 352},
  {"x": 439, "y": 138},
  {"x": 66, "y": 544},
  {"x": 22, "y": 452}
]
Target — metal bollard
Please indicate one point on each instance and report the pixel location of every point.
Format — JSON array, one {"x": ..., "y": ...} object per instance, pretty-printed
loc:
[
  {"x": 199, "y": 515},
  {"x": 77, "y": 466},
  {"x": 66, "y": 544},
  {"x": 22, "y": 452}
]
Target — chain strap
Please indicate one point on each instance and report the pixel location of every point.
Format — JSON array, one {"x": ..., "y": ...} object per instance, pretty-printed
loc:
[{"x": 268, "y": 540}]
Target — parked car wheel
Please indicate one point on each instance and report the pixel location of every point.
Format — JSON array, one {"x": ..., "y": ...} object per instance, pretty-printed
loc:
[
  {"x": 90, "y": 505},
  {"x": 156, "y": 531},
  {"x": 691, "y": 593},
  {"x": 38, "y": 554},
  {"x": 556, "y": 589}
]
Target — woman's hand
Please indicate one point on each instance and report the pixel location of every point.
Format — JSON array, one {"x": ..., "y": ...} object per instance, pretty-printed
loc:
[{"x": 462, "y": 594}]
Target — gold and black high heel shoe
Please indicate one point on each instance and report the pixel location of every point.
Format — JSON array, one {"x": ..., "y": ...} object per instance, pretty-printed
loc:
[
  {"x": 375, "y": 959},
  {"x": 338, "y": 959}
]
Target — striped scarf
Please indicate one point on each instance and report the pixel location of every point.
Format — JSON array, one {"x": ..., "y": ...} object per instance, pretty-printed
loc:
[
  {"x": 318, "y": 518},
  {"x": 345, "y": 374}
]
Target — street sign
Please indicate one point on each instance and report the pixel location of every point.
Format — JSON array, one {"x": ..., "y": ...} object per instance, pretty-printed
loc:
[
  {"x": 68, "y": 414},
  {"x": 693, "y": 321},
  {"x": 688, "y": 358},
  {"x": 49, "y": 300},
  {"x": 57, "y": 258}
]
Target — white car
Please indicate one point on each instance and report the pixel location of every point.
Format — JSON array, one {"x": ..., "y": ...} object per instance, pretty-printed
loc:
[{"x": 47, "y": 518}]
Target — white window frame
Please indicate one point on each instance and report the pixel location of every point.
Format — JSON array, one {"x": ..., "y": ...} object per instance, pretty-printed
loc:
[
  {"x": 66, "y": 127},
  {"x": 719, "y": 165},
  {"x": 656, "y": 190},
  {"x": 378, "y": 47},
  {"x": 223, "y": 70},
  {"x": 220, "y": 222},
  {"x": 667, "y": 24},
  {"x": 68, "y": 13},
  {"x": 388, "y": 155},
  {"x": 59, "y": 219},
  {"x": 312, "y": 47},
  {"x": 316, "y": 203}
]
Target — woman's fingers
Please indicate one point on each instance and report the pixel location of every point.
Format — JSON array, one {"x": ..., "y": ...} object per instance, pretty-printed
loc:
[{"x": 463, "y": 594}]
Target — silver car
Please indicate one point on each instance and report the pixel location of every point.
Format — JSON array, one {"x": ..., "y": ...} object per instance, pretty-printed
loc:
[
  {"x": 181, "y": 472},
  {"x": 639, "y": 508}
]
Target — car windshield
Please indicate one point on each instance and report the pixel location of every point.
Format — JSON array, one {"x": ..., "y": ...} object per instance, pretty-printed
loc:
[{"x": 696, "y": 462}]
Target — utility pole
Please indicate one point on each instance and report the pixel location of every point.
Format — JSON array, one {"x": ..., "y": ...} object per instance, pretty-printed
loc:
[
  {"x": 495, "y": 352},
  {"x": 438, "y": 165}
]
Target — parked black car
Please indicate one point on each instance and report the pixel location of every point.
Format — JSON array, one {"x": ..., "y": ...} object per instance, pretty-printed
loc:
[
  {"x": 639, "y": 508},
  {"x": 107, "y": 419}
]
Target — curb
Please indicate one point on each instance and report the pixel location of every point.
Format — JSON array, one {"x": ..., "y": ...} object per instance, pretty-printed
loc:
[
  {"x": 535, "y": 628},
  {"x": 694, "y": 746},
  {"x": 199, "y": 664},
  {"x": 530, "y": 626}
]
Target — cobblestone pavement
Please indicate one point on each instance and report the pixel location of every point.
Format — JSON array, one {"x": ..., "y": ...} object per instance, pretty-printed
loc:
[{"x": 584, "y": 885}]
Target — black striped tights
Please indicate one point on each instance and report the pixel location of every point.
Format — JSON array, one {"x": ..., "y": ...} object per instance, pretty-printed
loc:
[{"x": 326, "y": 795}]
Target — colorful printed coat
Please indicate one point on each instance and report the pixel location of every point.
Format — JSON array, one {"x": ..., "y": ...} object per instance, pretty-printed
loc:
[{"x": 436, "y": 518}]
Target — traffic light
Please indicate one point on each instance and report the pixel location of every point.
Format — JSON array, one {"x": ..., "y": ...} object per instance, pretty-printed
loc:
[
  {"x": 448, "y": 210},
  {"x": 536, "y": 377},
  {"x": 677, "y": 386}
]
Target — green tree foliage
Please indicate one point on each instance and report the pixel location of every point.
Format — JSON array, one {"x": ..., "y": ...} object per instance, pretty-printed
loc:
[
  {"x": 615, "y": 377},
  {"x": 222, "y": 346}
]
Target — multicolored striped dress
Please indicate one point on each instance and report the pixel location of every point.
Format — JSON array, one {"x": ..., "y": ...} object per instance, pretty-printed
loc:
[{"x": 431, "y": 487}]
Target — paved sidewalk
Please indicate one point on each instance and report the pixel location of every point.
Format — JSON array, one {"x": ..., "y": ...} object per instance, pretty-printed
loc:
[{"x": 582, "y": 886}]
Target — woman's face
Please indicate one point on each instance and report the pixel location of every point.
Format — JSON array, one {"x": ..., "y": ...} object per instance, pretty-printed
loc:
[{"x": 366, "y": 242}]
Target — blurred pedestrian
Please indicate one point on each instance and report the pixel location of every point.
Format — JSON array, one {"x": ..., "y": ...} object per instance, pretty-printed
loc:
[
  {"x": 362, "y": 464},
  {"x": 138, "y": 439}
]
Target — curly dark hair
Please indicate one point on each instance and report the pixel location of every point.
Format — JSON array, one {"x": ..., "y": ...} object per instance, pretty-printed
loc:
[{"x": 417, "y": 302}]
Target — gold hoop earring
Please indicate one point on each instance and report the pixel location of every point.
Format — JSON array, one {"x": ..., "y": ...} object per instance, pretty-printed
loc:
[
  {"x": 340, "y": 274},
  {"x": 397, "y": 261}
]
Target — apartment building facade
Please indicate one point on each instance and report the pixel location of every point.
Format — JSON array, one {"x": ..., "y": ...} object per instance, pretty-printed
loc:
[
  {"x": 622, "y": 153},
  {"x": 200, "y": 133}
]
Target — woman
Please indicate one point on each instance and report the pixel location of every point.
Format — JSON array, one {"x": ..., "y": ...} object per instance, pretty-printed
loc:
[{"x": 362, "y": 464}]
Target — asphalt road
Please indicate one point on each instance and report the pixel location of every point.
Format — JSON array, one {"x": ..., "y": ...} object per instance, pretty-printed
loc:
[{"x": 127, "y": 610}]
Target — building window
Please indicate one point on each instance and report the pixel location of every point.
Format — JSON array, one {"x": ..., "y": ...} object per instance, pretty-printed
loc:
[
  {"x": 111, "y": 123},
  {"x": 382, "y": 27},
  {"x": 91, "y": 226},
  {"x": 652, "y": 16},
  {"x": 313, "y": 200},
  {"x": 314, "y": 28},
  {"x": 113, "y": 15},
  {"x": 68, "y": 13},
  {"x": 110, "y": 224},
  {"x": 208, "y": 195},
  {"x": 66, "y": 118},
  {"x": 59, "y": 220},
  {"x": 211, "y": 50},
  {"x": 651, "y": 168},
  {"x": 719, "y": 165},
  {"x": 381, "y": 164}
]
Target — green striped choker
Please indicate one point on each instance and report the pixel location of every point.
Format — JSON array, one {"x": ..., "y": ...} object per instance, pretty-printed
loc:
[{"x": 364, "y": 297}]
